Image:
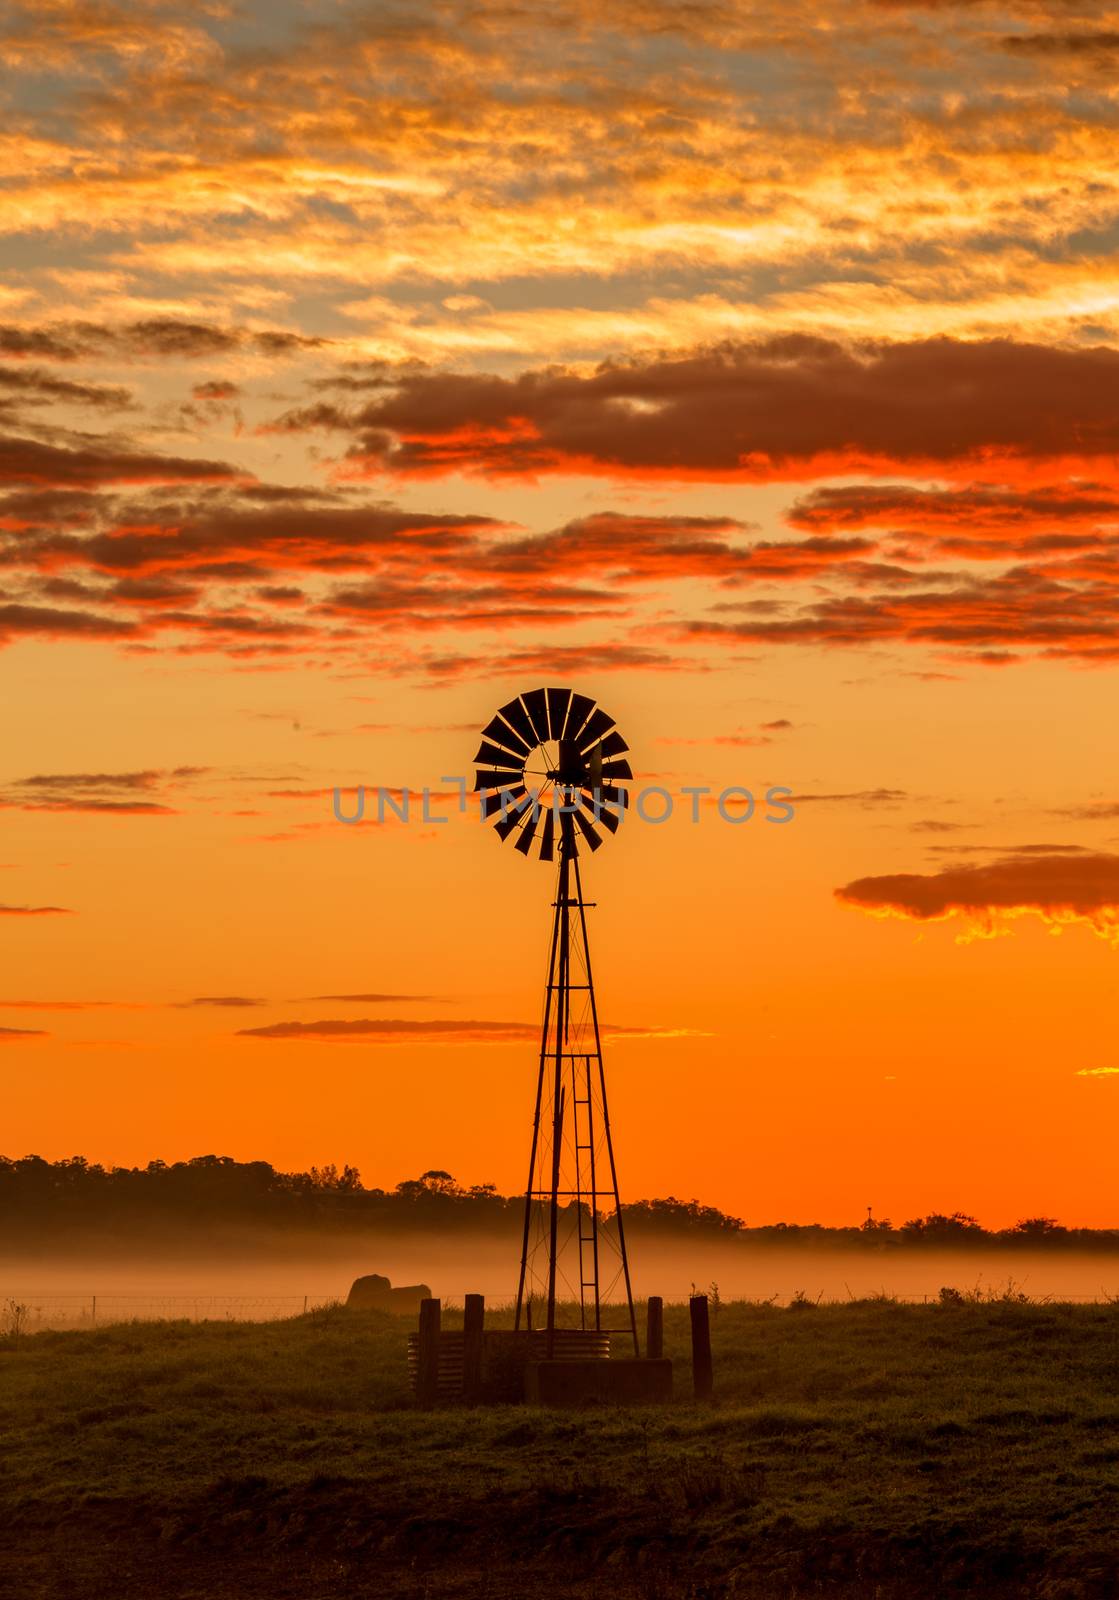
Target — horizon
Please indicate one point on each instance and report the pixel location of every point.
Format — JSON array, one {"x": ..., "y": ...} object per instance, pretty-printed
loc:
[
  {"x": 330, "y": 1178},
  {"x": 365, "y": 367}
]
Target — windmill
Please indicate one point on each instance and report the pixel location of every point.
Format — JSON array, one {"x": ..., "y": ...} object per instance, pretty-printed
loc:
[{"x": 551, "y": 776}]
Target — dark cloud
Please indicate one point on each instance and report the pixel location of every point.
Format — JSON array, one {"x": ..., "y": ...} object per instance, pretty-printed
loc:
[
  {"x": 395, "y": 1030},
  {"x": 1101, "y": 48},
  {"x": 555, "y": 660},
  {"x": 13, "y": 1035},
  {"x": 216, "y": 389},
  {"x": 35, "y": 386},
  {"x": 988, "y": 618},
  {"x": 30, "y": 462},
  {"x": 750, "y": 411},
  {"x": 976, "y": 510},
  {"x": 1093, "y": 811},
  {"x": 1062, "y": 886},
  {"x": 35, "y": 911},
  {"x": 45, "y": 622},
  {"x": 366, "y": 999},
  {"x": 647, "y": 549},
  {"x": 146, "y": 779},
  {"x": 121, "y": 793},
  {"x": 229, "y": 535},
  {"x": 45, "y": 343},
  {"x": 152, "y": 591},
  {"x": 232, "y": 1002},
  {"x": 855, "y": 797},
  {"x": 389, "y": 1030},
  {"x": 151, "y": 337}
]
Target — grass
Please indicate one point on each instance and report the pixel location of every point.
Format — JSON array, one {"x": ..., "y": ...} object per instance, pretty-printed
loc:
[{"x": 871, "y": 1449}]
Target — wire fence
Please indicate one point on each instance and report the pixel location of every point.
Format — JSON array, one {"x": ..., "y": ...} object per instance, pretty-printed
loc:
[{"x": 42, "y": 1311}]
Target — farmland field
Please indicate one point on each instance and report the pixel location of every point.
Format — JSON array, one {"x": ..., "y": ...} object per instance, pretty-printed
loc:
[{"x": 870, "y": 1449}]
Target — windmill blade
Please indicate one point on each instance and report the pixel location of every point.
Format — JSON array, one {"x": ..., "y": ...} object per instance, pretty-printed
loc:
[
  {"x": 593, "y": 729},
  {"x": 548, "y": 835},
  {"x": 609, "y": 819},
  {"x": 507, "y": 779},
  {"x": 488, "y": 755},
  {"x": 536, "y": 704},
  {"x": 593, "y": 773},
  {"x": 612, "y": 745},
  {"x": 528, "y": 829},
  {"x": 517, "y": 718},
  {"x": 558, "y": 702},
  {"x": 613, "y": 770},
  {"x": 585, "y": 828},
  {"x": 577, "y": 713},
  {"x": 503, "y": 799},
  {"x": 501, "y": 733},
  {"x": 504, "y": 827},
  {"x": 608, "y": 795}
]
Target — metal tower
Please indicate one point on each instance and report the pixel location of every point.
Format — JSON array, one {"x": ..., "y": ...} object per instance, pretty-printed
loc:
[{"x": 552, "y": 774}]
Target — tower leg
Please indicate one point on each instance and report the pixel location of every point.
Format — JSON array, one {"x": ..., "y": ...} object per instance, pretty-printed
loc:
[
  {"x": 571, "y": 1133},
  {"x": 530, "y": 1188}
]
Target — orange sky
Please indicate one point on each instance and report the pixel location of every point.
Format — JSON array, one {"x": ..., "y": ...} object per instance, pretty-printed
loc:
[{"x": 749, "y": 367}]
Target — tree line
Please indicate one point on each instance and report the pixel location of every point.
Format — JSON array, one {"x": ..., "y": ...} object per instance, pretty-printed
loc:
[{"x": 56, "y": 1200}]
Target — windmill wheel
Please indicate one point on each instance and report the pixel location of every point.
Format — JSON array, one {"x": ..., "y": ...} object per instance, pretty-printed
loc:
[{"x": 551, "y": 767}]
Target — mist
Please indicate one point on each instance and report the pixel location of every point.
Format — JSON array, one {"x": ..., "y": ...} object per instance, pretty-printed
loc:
[{"x": 258, "y": 1278}]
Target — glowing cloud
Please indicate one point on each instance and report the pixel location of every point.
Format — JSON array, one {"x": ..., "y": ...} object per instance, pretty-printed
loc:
[{"x": 1079, "y": 887}]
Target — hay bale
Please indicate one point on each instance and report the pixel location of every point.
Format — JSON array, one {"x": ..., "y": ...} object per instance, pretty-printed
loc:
[{"x": 375, "y": 1293}]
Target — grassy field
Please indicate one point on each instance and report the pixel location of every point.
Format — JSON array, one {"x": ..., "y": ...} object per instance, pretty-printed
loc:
[{"x": 864, "y": 1450}]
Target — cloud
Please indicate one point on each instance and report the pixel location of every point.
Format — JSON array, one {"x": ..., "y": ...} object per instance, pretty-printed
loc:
[
  {"x": 1100, "y": 47},
  {"x": 124, "y": 793},
  {"x": 232, "y": 1002},
  {"x": 1098, "y": 1072},
  {"x": 654, "y": 549},
  {"x": 785, "y": 407},
  {"x": 216, "y": 389},
  {"x": 31, "y": 462},
  {"x": 14, "y": 1035},
  {"x": 151, "y": 338},
  {"x": 35, "y": 911},
  {"x": 1061, "y": 889},
  {"x": 71, "y": 1005},
  {"x": 1059, "y": 611},
  {"x": 246, "y": 533},
  {"x": 365, "y": 999},
  {"x": 962, "y": 520},
  {"x": 389, "y": 1030},
  {"x": 395, "y": 1030},
  {"x": 556, "y": 660},
  {"x": 856, "y": 797},
  {"x": 36, "y": 386},
  {"x": 18, "y": 621}
]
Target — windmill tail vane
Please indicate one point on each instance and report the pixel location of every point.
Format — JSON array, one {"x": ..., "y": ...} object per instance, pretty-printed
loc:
[{"x": 551, "y": 772}]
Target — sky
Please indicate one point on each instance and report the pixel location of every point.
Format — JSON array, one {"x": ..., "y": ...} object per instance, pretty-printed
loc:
[{"x": 750, "y": 367}]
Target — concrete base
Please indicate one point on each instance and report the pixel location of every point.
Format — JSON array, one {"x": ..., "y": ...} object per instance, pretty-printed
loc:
[{"x": 613, "y": 1382}]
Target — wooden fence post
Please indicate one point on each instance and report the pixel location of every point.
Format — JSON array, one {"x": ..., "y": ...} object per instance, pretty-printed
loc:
[
  {"x": 654, "y": 1328},
  {"x": 701, "y": 1347},
  {"x": 427, "y": 1365},
  {"x": 473, "y": 1337}
]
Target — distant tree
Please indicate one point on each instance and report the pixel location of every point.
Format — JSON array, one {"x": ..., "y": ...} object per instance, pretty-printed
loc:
[
  {"x": 937, "y": 1228},
  {"x": 328, "y": 1177},
  {"x": 433, "y": 1182},
  {"x": 1039, "y": 1228},
  {"x": 681, "y": 1214}
]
